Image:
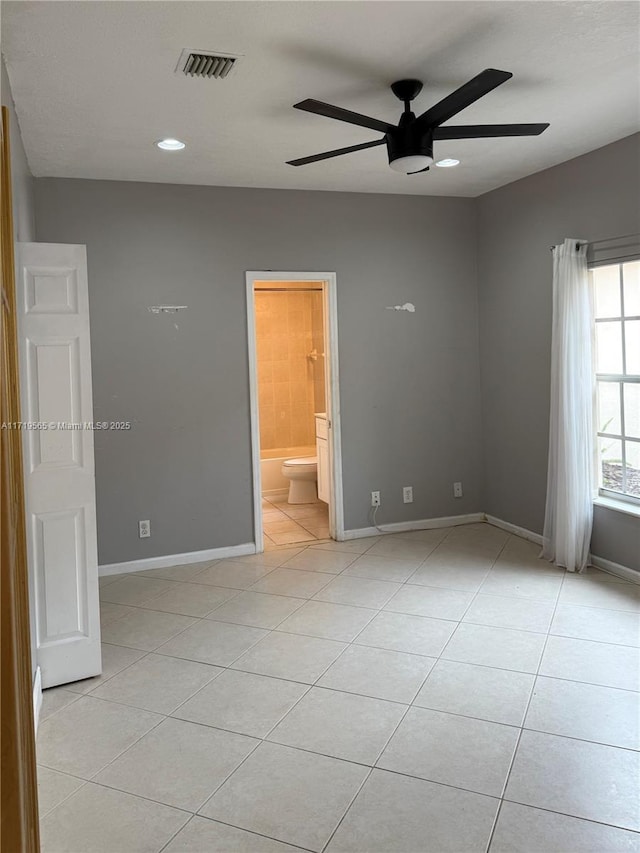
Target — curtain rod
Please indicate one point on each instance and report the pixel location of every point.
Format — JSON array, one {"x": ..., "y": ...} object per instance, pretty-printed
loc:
[
  {"x": 287, "y": 290},
  {"x": 606, "y": 240}
]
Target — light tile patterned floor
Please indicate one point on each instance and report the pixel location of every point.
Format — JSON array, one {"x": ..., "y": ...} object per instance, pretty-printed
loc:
[
  {"x": 441, "y": 691},
  {"x": 286, "y": 524}
]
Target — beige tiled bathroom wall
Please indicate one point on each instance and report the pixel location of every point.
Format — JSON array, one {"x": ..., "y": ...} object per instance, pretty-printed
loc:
[{"x": 290, "y": 383}]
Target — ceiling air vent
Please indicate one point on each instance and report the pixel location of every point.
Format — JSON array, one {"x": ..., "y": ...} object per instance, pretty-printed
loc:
[{"x": 202, "y": 63}]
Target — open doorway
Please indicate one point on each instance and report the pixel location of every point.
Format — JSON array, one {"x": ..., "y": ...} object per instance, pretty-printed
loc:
[{"x": 295, "y": 414}]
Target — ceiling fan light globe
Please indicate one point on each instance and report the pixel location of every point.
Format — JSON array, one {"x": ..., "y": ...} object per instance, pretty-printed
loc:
[{"x": 411, "y": 163}]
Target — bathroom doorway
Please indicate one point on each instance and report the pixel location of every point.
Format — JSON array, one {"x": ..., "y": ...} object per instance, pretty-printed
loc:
[{"x": 295, "y": 434}]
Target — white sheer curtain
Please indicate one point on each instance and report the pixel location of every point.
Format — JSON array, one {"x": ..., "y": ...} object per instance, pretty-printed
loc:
[{"x": 569, "y": 509}]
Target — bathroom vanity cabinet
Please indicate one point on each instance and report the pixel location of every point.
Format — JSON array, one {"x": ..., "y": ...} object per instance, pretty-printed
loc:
[{"x": 322, "y": 452}]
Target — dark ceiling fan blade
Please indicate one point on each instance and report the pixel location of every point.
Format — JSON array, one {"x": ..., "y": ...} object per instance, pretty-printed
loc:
[
  {"x": 338, "y": 151},
  {"x": 463, "y": 97},
  {"x": 328, "y": 110},
  {"x": 477, "y": 131}
]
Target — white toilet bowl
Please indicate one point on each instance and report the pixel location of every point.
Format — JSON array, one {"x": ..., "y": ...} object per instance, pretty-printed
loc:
[{"x": 302, "y": 474}]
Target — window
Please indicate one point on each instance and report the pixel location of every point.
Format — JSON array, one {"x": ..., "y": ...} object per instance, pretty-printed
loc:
[{"x": 616, "y": 289}]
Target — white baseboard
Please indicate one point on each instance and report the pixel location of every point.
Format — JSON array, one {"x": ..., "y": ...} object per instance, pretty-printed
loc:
[
  {"x": 420, "y": 524},
  {"x": 522, "y": 532},
  {"x": 616, "y": 569},
  {"x": 37, "y": 698},
  {"x": 599, "y": 562},
  {"x": 177, "y": 559}
]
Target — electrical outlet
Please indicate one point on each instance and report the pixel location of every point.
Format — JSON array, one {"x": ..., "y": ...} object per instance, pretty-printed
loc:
[
  {"x": 144, "y": 529},
  {"x": 407, "y": 494},
  {"x": 457, "y": 490},
  {"x": 375, "y": 498}
]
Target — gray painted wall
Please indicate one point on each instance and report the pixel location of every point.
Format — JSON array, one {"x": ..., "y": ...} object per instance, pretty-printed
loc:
[
  {"x": 22, "y": 185},
  {"x": 591, "y": 197},
  {"x": 409, "y": 383}
]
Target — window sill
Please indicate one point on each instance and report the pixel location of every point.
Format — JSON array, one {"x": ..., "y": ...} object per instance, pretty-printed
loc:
[{"x": 618, "y": 506}]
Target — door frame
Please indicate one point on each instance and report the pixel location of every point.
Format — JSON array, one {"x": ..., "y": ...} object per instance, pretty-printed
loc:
[
  {"x": 330, "y": 299},
  {"x": 20, "y": 829}
]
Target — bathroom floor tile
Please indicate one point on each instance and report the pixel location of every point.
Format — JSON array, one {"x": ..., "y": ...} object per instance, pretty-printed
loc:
[
  {"x": 577, "y": 778},
  {"x": 86, "y": 735},
  {"x": 459, "y": 751},
  {"x": 257, "y": 609},
  {"x": 380, "y": 673},
  {"x": 342, "y": 725},
  {"x": 157, "y": 683},
  {"x": 218, "y": 643},
  {"x": 397, "y": 813},
  {"x": 298, "y": 535},
  {"x": 283, "y": 525},
  {"x": 319, "y": 509},
  {"x": 101, "y": 820},
  {"x": 320, "y": 531},
  {"x": 331, "y": 621},
  {"x": 402, "y": 633},
  {"x": 497, "y": 695},
  {"x": 287, "y": 794},
  {"x": 290, "y": 656},
  {"x": 242, "y": 702},
  {"x": 360, "y": 592},
  {"x": 179, "y": 763}
]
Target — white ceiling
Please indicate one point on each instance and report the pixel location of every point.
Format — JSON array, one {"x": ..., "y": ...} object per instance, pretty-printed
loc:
[{"x": 94, "y": 87}]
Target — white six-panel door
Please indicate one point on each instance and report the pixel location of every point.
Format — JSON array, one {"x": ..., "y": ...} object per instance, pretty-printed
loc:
[{"x": 55, "y": 377}]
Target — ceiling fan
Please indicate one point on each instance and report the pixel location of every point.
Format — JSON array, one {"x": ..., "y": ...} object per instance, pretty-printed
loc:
[{"x": 410, "y": 143}]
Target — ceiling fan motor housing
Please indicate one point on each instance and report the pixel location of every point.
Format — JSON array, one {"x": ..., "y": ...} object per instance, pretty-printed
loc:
[{"x": 408, "y": 141}]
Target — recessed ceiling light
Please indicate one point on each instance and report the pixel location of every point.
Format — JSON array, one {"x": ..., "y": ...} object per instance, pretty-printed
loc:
[
  {"x": 170, "y": 144},
  {"x": 448, "y": 162}
]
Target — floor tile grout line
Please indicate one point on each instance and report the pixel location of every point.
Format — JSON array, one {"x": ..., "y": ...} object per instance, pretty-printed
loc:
[
  {"x": 524, "y": 719},
  {"x": 173, "y": 714},
  {"x": 548, "y": 633},
  {"x": 373, "y": 767},
  {"x": 83, "y": 782},
  {"x": 575, "y": 817},
  {"x": 232, "y": 826}
]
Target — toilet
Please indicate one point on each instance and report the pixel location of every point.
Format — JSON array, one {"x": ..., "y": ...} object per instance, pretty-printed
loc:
[{"x": 302, "y": 474}]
